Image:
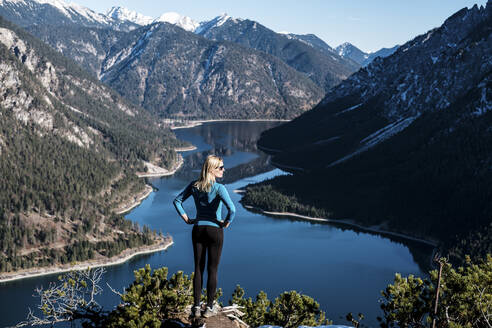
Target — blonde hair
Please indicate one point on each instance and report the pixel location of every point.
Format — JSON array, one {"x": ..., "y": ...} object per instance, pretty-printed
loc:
[{"x": 207, "y": 178}]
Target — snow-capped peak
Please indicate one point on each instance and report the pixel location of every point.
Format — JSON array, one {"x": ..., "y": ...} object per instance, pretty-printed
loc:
[
  {"x": 222, "y": 19},
  {"x": 344, "y": 48},
  {"x": 121, "y": 13},
  {"x": 71, "y": 10},
  {"x": 206, "y": 26},
  {"x": 184, "y": 22}
]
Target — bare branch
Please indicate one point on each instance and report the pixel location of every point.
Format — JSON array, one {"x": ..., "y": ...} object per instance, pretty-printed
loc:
[
  {"x": 73, "y": 297},
  {"x": 114, "y": 290}
]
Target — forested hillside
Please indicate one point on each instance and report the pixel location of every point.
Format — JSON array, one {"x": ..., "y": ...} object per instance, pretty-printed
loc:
[{"x": 69, "y": 149}]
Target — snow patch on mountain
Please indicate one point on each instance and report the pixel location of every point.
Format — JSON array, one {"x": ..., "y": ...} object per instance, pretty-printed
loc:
[
  {"x": 129, "y": 53},
  {"x": 377, "y": 137},
  {"x": 388, "y": 131},
  {"x": 345, "y": 49},
  {"x": 71, "y": 9},
  {"x": 349, "y": 109},
  {"x": 485, "y": 101}
]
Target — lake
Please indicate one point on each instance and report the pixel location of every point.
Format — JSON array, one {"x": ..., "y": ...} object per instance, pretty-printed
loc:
[{"x": 343, "y": 269}]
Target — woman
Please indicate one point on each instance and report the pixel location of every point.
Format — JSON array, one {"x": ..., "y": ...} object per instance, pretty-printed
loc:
[{"x": 207, "y": 235}]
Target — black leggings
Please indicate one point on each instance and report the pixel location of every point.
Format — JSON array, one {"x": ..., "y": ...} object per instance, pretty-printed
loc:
[{"x": 206, "y": 239}]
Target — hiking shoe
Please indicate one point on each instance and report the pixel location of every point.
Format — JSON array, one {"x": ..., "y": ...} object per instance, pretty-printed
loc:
[
  {"x": 211, "y": 311},
  {"x": 196, "y": 311}
]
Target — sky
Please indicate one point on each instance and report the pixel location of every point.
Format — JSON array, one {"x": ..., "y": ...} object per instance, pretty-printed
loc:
[{"x": 368, "y": 24}]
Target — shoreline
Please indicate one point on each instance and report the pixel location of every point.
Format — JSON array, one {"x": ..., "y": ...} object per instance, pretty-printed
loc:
[
  {"x": 137, "y": 201},
  {"x": 183, "y": 149},
  {"x": 345, "y": 222},
  {"x": 115, "y": 260},
  {"x": 124, "y": 256},
  {"x": 164, "y": 172},
  {"x": 192, "y": 124}
]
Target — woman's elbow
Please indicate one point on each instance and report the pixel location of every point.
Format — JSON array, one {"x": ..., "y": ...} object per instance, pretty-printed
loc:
[{"x": 177, "y": 204}]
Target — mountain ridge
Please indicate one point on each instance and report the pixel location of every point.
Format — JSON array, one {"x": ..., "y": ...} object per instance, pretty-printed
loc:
[
  {"x": 221, "y": 73},
  {"x": 326, "y": 70},
  {"x": 94, "y": 48}
]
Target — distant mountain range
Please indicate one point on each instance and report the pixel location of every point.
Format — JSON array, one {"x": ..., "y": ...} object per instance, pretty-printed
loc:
[
  {"x": 405, "y": 141},
  {"x": 91, "y": 39},
  {"x": 274, "y": 89},
  {"x": 351, "y": 52}
]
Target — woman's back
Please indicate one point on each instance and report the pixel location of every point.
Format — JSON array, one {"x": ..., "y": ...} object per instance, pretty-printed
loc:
[
  {"x": 207, "y": 234},
  {"x": 208, "y": 204}
]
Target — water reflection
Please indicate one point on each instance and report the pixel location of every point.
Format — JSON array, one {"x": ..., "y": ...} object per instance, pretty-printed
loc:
[
  {"x": 420, "y": 251},
  {"x": 235, "y": 142}
]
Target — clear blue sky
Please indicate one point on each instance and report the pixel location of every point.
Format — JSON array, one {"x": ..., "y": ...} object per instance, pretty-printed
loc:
[{"x": 368, "y": 24}]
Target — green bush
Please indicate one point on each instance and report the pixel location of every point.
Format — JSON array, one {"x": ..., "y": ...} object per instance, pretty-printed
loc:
[
  {"x": 289, "y": 310},
  {"x": 151, "y": 298},
  {"x": 465, "y": 298}
]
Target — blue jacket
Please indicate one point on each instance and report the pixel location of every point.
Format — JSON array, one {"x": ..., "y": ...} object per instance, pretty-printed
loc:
[{"x": 208, "y": 205}]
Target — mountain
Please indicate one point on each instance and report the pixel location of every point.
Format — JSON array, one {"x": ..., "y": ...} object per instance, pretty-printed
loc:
[
  {"x": 176, "y": 73},
  {"x": 349, "y": 51},
  {"x": 70, "y": 149},
  {"x": 404, "y": 142},
  {"x": 326, "y": 70},
  {"x": 124, "y": 14},
  {"x": 311, "y": 40},
  {"x": 184, "y": 22},
  {"x": 383, "y": 52},
  {"x": 57, "y": 12},
  {"x": 241, "y": 83},
  {"x": 88, "y": 46}
]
